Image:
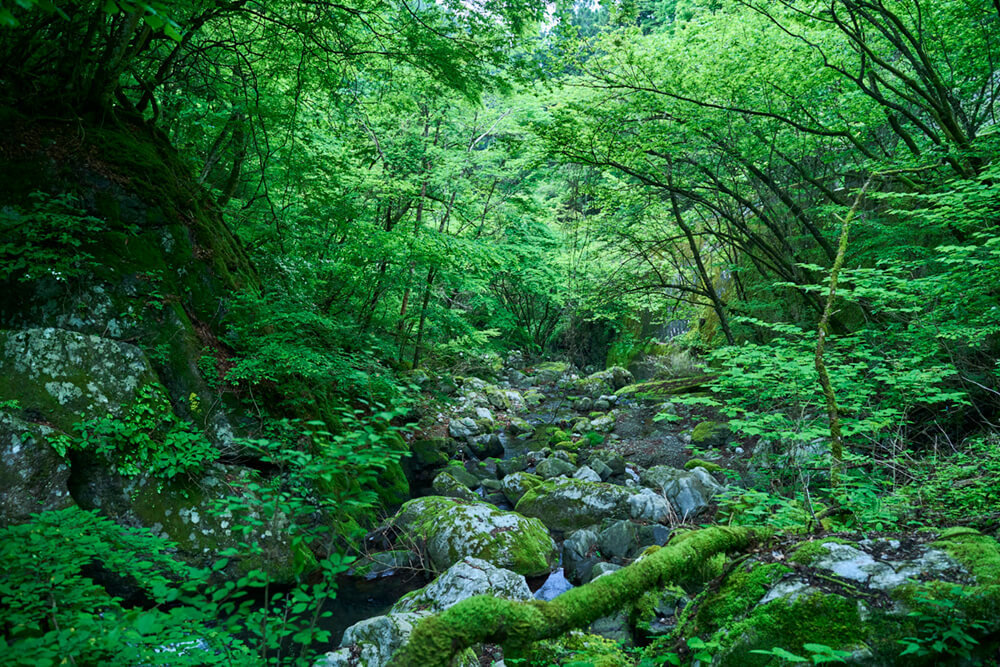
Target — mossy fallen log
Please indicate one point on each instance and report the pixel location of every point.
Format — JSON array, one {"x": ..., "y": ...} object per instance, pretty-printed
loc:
[{"x": 516, "y": 625}]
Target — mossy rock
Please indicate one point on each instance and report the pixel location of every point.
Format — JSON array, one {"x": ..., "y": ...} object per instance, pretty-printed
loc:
[
  {"x": 453, "y": 529},
  {"x": 710, "y": 434},
  {"x": 710, "y": 466},
  {"x": 65, "y": 377},
  {"x": 660, "y": 390},
  {"x": 33, "y": 476},
  {"x": 569, "y": 504},
  {"x": 186, "y": 512},
  {"x": 579, "y": 648},
  {"x": 515, "y": 485},
  {"x": 430, "y": 453}
]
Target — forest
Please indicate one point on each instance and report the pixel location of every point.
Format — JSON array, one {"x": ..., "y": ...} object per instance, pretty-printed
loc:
[{"x": 410, "y": 333}]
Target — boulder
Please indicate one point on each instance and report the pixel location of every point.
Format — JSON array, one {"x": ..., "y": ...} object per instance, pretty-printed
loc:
[
  {"x": 569, "y": 504},
  {"x": 554, "y": 586},
  {"x": 554, "y": 467},
  {"x": 647, "y": 505},
  {"x": 711, "y": 434},
  {"x": 586, "y": 474},
  {"x": 463, "y": 428},
  {"x": 580, "y": 555},
  {"x": 373, "y": 641},
  {"x": 33, "y": 476},
  {"x": 65, "y": 376},
  {"x": 186, "y": 512},
  {"x": 465, "y": 579},
  {"x": 515, "y": 485},
  {"x": 452, "y": 530},
  {"x": 445, "y": 484},
  {"x": 688, "y": 490},
  {"x": 618, "y": 540}
]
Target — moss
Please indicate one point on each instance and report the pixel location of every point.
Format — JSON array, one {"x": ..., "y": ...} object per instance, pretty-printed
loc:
[
  {"x": 704, "y": 432},
  {"x": 979, "y": 553},
  {"x": 739, "y": 593},
  {"x": 568, "y": 446},
  {"x": 518, "y": 624},
  {"x": 807, "y": 553},
  {"x": 578, "y": 648},
  {"x": 659, "y": 390},
  {"x": 453, "y": 529},
  {"x": 430, "y": 453},
  {"x": 819, "y": 618},
  {"x": 707, "y": 465}
]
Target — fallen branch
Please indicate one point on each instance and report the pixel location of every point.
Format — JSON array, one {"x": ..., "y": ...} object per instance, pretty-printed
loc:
[{"x": 516, "y": 625}]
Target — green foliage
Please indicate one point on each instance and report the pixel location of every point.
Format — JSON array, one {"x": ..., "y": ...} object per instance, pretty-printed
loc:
[
  {"x": 943, "y": 629},
  {"x": 148, "y": 438},
  {"x": 54, "y": 612},
  {"x": 49, "y": 238},
  {"x": 819, "y": 654},
  {"x": 958, "y": 486}
]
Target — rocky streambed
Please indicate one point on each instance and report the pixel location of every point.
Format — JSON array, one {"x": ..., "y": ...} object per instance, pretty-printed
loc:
[{"x": 546, "y": 480}]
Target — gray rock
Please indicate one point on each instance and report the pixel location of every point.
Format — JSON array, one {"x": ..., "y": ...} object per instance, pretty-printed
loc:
[
  {"x": 647, "y": 505},
  {"x": 587, "y": 474},
  {"x": 463, "y": 428},
  {"x": 618, "y": 539},
  {"x": 855, "y": 564},
  {"x": 584, "y": 404},
  {"x": 554, "y": 467},
  {"x": 603, "y": 470},
  {"x": 653, "y": 535},
  {"x": 484, "y": 414},
  {"x": 688, "y": 490},
  {"x": 372, "y": 642},
  {"x": 33, "y": 476},
  {"x": 452, "y": 530},
  {"x": 602, "y": 405},
  {"x": 554, "y": 586},
  {"x": 515, "y": 485},
  {"x": 467, "y": 578},
  {"x": 613, "y": 460},
  {"x": 579, "y": 555},
  {"x": 445, "y": 484}
]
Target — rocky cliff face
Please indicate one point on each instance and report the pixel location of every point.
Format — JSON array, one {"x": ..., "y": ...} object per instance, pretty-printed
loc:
[{"x": 117, "y": 273}]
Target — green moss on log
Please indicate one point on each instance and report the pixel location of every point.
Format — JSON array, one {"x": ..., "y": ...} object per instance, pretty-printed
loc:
[{"x": 517, "y": 625}]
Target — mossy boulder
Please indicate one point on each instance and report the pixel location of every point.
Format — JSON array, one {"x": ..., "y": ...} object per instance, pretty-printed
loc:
[
  {"x": 430, "y": 453},
  {"x": 373, "y": 641},
  {"x": 711, "y": 434},
  {"x": 63, "y": 377},
  {"x": 452, "y": 530},
  {"x": 709, "y": 466},
  {"x": 603, "y": 382},
  {"x": 515, "y": 485},
  {"x": 466, "y": 578},
  {"x": 206, "y": 516},
  {"x": 33, "y": 477},
  {"x": 856, "y": 596},
  {"x": 554, "y": 467},
  {"x": 550, "y": 372},
  {"x": 567, "y": 504},
  {"x": 446, "y": 485}
]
